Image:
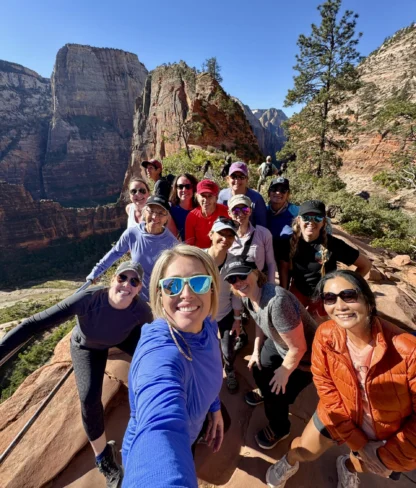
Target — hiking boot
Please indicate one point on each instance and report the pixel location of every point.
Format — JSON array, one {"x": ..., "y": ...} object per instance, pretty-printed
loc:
[
  {"x": 110, "y": 468},
  {"x": 232, "y": 382},
  {"x": 240, "y": 341},
  {"x": 346, "y": 479},
  {"x": 279, "y": 473},
  {"x": 254, "y": 398},
  {"x": 267, "y": 439}
]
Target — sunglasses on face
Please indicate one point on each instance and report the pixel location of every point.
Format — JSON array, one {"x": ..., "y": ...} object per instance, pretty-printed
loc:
[
  {"x": 347, "y": 296},
  {"x": 186, "y": 186},
  {"x": 232, "y": 280},
  {"x": 134, "y": 282},
  {"x": 278, "y": 189},
  {"x": 198, "y": 284},
  {"x": 133, "y": 191},
  {"x": 312, "y": 218},
  {"x": 238, "y": 177},
  {"x": 240, "y": 211},
  {"x": 156, "y": 214}
]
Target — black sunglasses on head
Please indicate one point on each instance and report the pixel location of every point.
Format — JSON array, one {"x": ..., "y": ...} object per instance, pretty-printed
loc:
[
  {"x": 134, "y": 282},
  {"x": 347, "y": 296},
  {"x": 133, "y": 191},
  {"x": 187, "y": 186}
]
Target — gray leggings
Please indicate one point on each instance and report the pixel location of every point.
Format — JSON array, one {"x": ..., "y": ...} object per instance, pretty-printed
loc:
[{"x": 89, "y": 367}]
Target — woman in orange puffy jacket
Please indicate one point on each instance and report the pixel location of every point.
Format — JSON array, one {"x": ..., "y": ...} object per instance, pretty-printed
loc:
[{"x": 364, "y": 369}]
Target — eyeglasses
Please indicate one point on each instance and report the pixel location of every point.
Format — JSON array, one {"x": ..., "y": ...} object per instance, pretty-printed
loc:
[
  {"x": 174, "y": 285},
  {"x": 232, "y": 280},
  {"x": 240, "y": 211},
  {"x": 187, "y": 186},
  {"x": 226, "y": 221},
  {"x": 347, "y": 296},
  {"x": 156, "y": 214},
  {"x": 133, "y": 191},
  {"x": 278, "y": 189},
  {"x": 134, "y": 282},
  {"x": 312, "y": 218},
  {"x": 238, "y": 177}
]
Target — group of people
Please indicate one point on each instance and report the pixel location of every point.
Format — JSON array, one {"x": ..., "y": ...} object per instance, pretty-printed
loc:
[{"x": 201, "y": 260}]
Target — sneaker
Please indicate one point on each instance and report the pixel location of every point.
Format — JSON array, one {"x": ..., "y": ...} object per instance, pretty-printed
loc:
[
  {"x": 254, "y": 398},
  {"x": 279, "y": 473},
  {"x": 110, "y": 468},
  {"x": 267, "y": 439},
  {"x": 232, "y": 382},
  {"x": 241, "y": 341},
  {"x": 346, "y": 479}
]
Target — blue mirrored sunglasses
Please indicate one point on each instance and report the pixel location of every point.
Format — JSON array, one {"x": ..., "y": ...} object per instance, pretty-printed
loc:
[
  {"x": 174, "y": 285},
  {"x": 312, "y": 218}
]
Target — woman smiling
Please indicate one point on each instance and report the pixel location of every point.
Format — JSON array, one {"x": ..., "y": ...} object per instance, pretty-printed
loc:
[{"x": 138, "y": 193}]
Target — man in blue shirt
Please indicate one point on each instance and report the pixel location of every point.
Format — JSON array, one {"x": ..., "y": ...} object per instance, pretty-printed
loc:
[
  {"x": 280, "y": 212},
  {"x": 238, "y": 185}
]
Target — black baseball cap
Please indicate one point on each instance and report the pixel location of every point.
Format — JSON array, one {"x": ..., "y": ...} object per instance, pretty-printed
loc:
[
  {"x": 158, "y": 200},
  {"x": 130, "y": 266},
  {"x": 313, "y": 206},
  {"x": 279, "y": 181},
  {"x": 237, "y": 265}
]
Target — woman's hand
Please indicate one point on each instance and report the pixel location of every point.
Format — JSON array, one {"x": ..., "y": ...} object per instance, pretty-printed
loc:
[
  {"x": 254, "y": 360},
  {"x": 279, "y": 380},
  {"x": 368, "y": 454},
  {"x": 236, "y": 328},
  {"x": 215, "y": 430}
]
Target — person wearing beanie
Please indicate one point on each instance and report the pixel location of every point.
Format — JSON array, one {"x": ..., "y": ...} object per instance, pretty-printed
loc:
[
  {"x": 238, "y": 185},
  {"x": 199, "y": 222}
]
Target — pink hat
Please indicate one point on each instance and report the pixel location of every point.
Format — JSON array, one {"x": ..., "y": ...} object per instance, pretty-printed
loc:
[
  {"x": 238, "y": 166},
  {"x": 207, "y": 186}
]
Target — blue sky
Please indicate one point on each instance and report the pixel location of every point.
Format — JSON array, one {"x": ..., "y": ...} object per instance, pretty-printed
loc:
[{"x": 254, "y": 42}]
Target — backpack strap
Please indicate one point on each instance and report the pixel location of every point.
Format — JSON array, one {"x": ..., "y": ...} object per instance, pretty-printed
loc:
[{"x": 247, "y": 246}]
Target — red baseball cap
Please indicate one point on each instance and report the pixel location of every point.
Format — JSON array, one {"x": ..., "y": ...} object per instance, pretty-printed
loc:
[
  {"x": 154, "y": 162},
  {"x": 207, "y": 186}
]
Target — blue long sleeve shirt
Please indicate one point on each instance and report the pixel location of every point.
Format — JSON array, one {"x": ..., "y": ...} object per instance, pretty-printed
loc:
[
  {"x": 169, "y": 400},
  {"x": 145, "y": 249},
  {"x": 258, "y": 215}
]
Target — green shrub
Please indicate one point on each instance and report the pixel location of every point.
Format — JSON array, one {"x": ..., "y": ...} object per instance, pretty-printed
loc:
[
  {"x": 25, "y": 309},
  {"x": 401, "y": 246}
]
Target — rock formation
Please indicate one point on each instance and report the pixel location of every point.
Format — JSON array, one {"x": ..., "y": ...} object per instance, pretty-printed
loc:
[
  {"x": 72, "y": 145},
  {"x": 25, "y": 112},
  {"x": 180, "y": 107}
]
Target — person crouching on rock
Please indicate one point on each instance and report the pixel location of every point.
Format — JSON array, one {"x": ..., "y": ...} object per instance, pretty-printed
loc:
[
  {"x": 364, "y": 369},
  {"x": 229, "y": 318},
  {"x": 176, "y": 373},
  {"x": 145, "y": 242},
  {"x": 281, "y": 368},
  {"x": 106, "y": 317}
]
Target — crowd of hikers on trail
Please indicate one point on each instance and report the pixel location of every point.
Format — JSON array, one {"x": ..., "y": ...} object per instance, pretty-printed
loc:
[{"x": 202, "y": 263}]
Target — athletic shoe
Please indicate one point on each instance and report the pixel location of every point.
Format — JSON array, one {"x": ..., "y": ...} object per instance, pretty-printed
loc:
[
  {"x": 254, "y": 398},
  {"x": 231, "y": 381},
  {"x": 279, "y": 473},
  {"x": 267, "y": 439},
  {"x": 110, "y": 468},
  {"x": 346, "y": 479}
]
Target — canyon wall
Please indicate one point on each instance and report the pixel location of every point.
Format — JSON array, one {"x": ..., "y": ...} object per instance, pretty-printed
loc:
[{"x": 271, "y": 121}]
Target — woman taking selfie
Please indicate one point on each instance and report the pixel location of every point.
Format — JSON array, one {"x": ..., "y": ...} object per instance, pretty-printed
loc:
[
  {"x": 176, "y": 373},
  {"x": 364, "y": 369}
]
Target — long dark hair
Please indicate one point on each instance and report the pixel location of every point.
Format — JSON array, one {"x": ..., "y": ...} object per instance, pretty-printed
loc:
[
  {"x": 357, "y": 281},
  {"x": 173, "y": 197}
]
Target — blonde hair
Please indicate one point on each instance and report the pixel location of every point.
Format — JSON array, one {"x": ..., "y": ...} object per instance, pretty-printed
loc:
[
  {"x": 159, "y": 270},
  {"x": 294, "y": 242}
]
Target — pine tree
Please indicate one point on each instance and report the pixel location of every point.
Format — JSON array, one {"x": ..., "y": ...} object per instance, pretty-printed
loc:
[
  {"x": 327, "y": 74},
  {"x": 212, "y": 67}
]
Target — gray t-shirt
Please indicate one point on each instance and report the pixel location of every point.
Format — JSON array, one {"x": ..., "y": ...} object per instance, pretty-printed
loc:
[{"x": 279, "y": 312}]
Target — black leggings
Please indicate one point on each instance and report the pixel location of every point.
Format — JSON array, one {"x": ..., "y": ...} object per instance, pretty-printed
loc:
[
  {"x": 89, "y": 367},
  {"x": 227, "y": 341},
  {"x": 276, "y": 407}
]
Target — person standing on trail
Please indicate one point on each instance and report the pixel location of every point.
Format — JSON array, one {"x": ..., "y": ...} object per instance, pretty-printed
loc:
[
  {"x": 226, "y": 167},
  {"x": 265, "y": 170},
  {"x": 105, "y": 318},
  {"x": 163, "y": 184},
  {"x": 364, "y": 370}
]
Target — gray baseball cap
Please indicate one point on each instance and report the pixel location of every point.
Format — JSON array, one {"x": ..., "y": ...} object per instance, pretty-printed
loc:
[{"x": 130, "y": 266}]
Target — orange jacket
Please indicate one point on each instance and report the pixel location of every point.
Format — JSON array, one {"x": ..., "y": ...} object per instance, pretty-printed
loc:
[{"x": 390, "y": 385}]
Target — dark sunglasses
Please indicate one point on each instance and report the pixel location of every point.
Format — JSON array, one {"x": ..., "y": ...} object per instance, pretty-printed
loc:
[
  {"x": 232, "y": 280},
  {"x": 240, "y": 210},
  {"x": 280, "y": 189},
  {"x": 134, "y": 282},
  {"x": 187, "y": 186},
  {"x": 133, "y": 191},
  {"x": 174, "y": 285},
  {"x": 231, "y": 223},
  {"x": 312, "y": 218},
  {"x": 347, "y": 296},
  {"x": 238, "y": 177}
]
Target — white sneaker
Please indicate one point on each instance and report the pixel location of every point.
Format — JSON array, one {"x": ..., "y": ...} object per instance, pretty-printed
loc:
[
  {"x": 279, "y": 473},
  {"x": 346, "y": 479}
]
